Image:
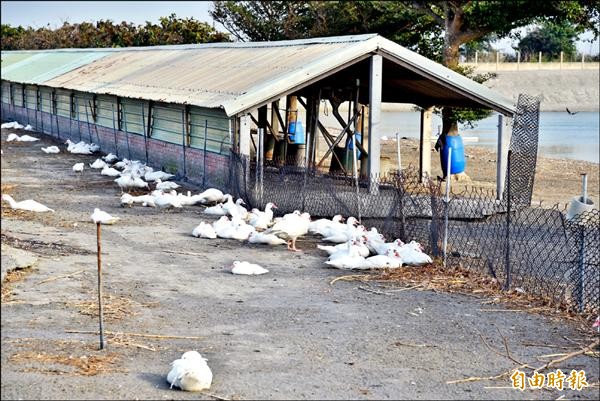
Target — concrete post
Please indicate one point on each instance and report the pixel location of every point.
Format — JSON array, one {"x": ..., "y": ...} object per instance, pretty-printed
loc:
[
  {"x": 375, "y": 86},
  {"x": 425, "y": 143},
  {"x": 504, "y": 134}
]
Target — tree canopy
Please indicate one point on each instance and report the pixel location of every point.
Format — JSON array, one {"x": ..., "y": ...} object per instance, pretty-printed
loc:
[
  {"x": 169, "y": 30},
  {"x": 550, "y": 39}
]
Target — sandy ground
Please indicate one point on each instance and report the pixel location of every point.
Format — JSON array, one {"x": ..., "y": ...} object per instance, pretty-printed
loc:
[{"x": 288, "y": 334}]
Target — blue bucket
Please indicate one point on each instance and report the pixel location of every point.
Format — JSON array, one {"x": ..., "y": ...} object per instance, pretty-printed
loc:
[
  {"x": 351, "y": 144},
  {"x": 296, "y": 131},
  {"x": 458, "y": 162}
]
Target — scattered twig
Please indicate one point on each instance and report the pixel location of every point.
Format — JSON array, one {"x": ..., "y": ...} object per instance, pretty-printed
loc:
[
  {"x": 59, "y": 277},
  {"x": 373, "y": 291},
  {"x": 218, "y": 397},
  {"x": 346, "y": 278},
  {"x": 184, "y": 253},
  {"x": 568, "y": 356},
  {"x": 545, "y": 345},
  {"x": 501, "y": 310},
  {"x": 508, "y": 354},
  {"x": 476, "y": 378},
  {"x": 412, "y": 287},
  {"x": 135, "y": 334},
  {"x": 399, "y": 343}
]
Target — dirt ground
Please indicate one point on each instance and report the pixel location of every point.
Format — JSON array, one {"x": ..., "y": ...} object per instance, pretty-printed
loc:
[{"x": 288, "y": 334}]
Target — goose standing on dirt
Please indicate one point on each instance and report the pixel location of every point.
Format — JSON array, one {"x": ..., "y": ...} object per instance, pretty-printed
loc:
[
  {"x": 204, "y": 230},
  {"x": 29, "y": 204},
  {"x": 144, "y": 200},
  {"x": 78, "y": 167},
  {"x": 127, "y": 181},
  {"x": 247, "y": 268},
  {"x": 110, "y": 158},
  {"x": 190, "y": 372},
  {"x": 291, "y": 228},
  {"x": 51, "y": 149},
  {"x": 100, "y": 216}
]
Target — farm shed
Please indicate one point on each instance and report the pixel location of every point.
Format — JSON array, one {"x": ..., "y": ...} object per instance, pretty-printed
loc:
[{"x": 183, "y": 108}]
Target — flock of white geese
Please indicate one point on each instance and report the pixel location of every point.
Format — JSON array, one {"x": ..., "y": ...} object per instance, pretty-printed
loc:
[{"x": 348, "y": 244}]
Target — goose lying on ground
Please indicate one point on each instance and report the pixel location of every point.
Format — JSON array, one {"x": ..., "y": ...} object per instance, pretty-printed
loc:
[
  {"x": 166, "y": 186},
  {"x": 204, "y": 230},
  {"x": 22, "y": 138},
  {"x": 262, "y": 238},
  {"x": 156, "y": 175},
  {"x": 211, "y": 195},
  {"x": 109, "y": 171},
  {"x": 98, "y": 163},
  {"x": 51, "y": 149},
  {"x": 190, "y": 372},
  {"x": 12, "y": 124},
  {"x": 102, "y": 217},
  {"x": 247, "y": 268},
  {"x": 110, "y": 158},
  {"x": 144, "y": 200},
  {"x": 216, "y": 210},
  {"x": 319, "y": 226},
  {"x": 127, "y": 181},
  {"x": 29, "y": 204}
]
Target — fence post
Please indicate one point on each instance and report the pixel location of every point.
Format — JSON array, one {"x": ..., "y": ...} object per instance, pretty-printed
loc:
[
  {"x": 518, "y": 59},
  {"x": 497, "y": 59},
  {"x": 562, "y": 54},
  {"x": 183, "y": 139},
  {"x": 355, "y": 172},
  {"x": 144, "y": 127},
  {"x": 204, "y": 154},
  {"x": 112, "y": 106},
  {"x": 259, "y": 169},
  {"x": 507, "y": 239},
  {"x": 398, "y": 152},
  {"x": 539, "y": 60},
  {"x": 476, "y": 57},
  {"x": 581, "y": 269},
  {"x": 448, "y": 179},
  {"x": 87, "y": 119}
]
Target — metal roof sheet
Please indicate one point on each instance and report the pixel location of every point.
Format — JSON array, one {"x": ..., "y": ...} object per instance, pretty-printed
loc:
[
  {"x": 39, "y": 67},
  {"x": 234, "y": 76}
]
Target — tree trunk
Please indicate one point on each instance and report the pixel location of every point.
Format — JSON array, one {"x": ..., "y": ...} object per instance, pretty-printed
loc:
[{"x": 452, "y": 42}]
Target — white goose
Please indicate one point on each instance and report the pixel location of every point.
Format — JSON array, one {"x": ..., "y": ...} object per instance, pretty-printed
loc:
[
  {"x": 155, "y": 175},
  {"x": 391, "y": 259},
  {"x": 204, "y": 230},
  {"x": 98, "y": 164},
  {"x": 51, "y": 149},
  {"x": 412, "y": 256},
  {"x": 344, "y": 247},
  {"x": 29, "y": 204},
  {"x": 166, "y": 186},
  {"x": 221, "y": 223},
  {"x": 12, "y": 124},
  {"x": 109, "y": 171},
  {"x": 247, "y": 268},
  {"x": 211, "y": 195},
  {"x": 235, "y": 209},
  {"x": 262, "y": 238},
  {"x": 165, "y": 200},
  {"x": 78, "y": 167},
  {"x": 109, "y": 158},
  {"x": 102, "y": 217},
  {"x": 190, "y": 372},
  {"x": 216, "y": 210},
  {"x": 260, "y": 219},
  {"x": 319, "y": 226},
  {"x": 144, "y": 200},
  {"x": 382, "y": 247},
  {"x": 127, "y": 181},
  {"x": 342, "y": 232},
  {"x": 291, "y": 227}
]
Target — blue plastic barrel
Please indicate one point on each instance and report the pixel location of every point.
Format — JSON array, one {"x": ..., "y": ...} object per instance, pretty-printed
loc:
[
  {"x": 457, "y": 162},
  {"x": 351, "y": 144},
  {"x": 296, "y": 131}
]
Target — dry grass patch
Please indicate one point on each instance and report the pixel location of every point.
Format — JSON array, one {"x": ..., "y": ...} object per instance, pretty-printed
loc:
[
  {"x": 67, "y": 357},
  {"x": 113, "y": 307},
  {"x": 12, "y": 277}
]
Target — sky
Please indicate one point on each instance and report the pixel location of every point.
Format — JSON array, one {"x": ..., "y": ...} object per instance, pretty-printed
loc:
[{"x": 40, "y": 13}]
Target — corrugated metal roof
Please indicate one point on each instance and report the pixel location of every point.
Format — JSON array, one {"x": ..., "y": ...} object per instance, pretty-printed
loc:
[
  {"x": 237, "y": 76},
  {"x": 39, "y": 67}
]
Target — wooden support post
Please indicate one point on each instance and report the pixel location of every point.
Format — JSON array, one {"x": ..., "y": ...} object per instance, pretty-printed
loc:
[
  {"x": 262, "y": 123},
  {"x": 425, "y": 144},
  {"x": 271, "y": 141},
  {"x": 375, "y": 87}
]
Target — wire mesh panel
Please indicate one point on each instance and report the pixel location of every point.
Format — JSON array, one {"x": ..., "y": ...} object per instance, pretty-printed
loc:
[{"x": 524, "y": 146}]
